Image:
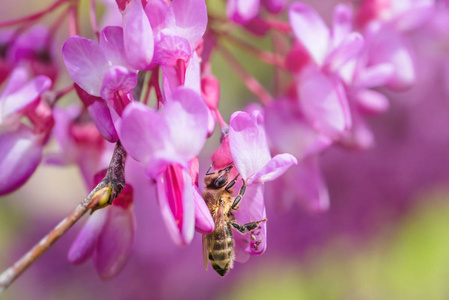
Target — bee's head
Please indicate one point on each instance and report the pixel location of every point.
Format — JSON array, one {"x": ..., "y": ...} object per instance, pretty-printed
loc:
[{"x": 219, "y": 178}]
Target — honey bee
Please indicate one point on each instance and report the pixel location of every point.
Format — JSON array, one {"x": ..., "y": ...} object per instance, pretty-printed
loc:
[{"x": 218, "y": 247}]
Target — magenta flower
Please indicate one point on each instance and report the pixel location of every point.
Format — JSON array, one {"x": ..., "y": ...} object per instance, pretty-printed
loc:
[
  {"x": 179, "y": 35},
  {"x": 21, "y": 145},
  {"x": 165, "y": 142},
  {"x": 137, "y": 35},
  {"x": 101, "y": 70},
  {"x": 108, "y": 236},
  {"x": 34, "y": 48},
  {"x": 252, "y": 159},
  {"x": 320, "y": 90},
  {"x": 79, "y": 143}
]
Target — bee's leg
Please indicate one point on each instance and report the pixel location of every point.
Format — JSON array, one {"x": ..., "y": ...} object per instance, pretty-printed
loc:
[
  {"x": 208, "y": 171},
  {"x": 231, "y": 184},
  {"x": 248, "y": 227},
  {"x": 239, "y": 197}
]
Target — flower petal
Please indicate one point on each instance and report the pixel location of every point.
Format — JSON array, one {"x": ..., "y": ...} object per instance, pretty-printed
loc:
[
  {"x": 118, "y": 79},
  {"x": 20, "y": 154},
  {"x": 85, "y": 63},
  {"x": 371, "y": 101},
  {"x": 26, "y": 95},
  {"x": 186, "y": 116},
  {"x": 112, "y": 45},
  {"x": 143, "y": 132},
  {"x": 308, "y": 184},
  {"x": 17, "y": 79},
  {"x": 248, "y": 143},
  {"x": 187, "y": 19},
  {"x": 376, "y": 75},
  {"x": 341, "y": 23},
  {"x": 171, "y": 48},
  {"x": 138, "y": 36},
  {"x": 203, "y": 219},
  {"x": 274, "y": 168},
  {"x": 288, "y": 131},
  {"x": 389, "y": 46},
  {"x": 252, "y": 209},
  {"x": 101, "y": 116},
  {"x": 350, "y": 47},
  {"x": 175, "y": 198},
  {"x": 310, "y": 30},
  {"x": 323, "y": 101},
  {"x": 84, "y": 244},
  {"x": 115, "y": 242}
]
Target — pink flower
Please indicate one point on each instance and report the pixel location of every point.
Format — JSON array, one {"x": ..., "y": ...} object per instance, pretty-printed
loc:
[
  {"x": 178, "y": 36},
  {"x": 252, "y": 159},
  {"x": 101, "y": 70},
  {"x": 137, "y": 36},
  {"x": 21, "y": 145},
  {"x": 320, "y": 90},
  {"x": 79, "y": 142},
  {"x": 166, "y": 142},
  {"x": 108, "y": 235}
]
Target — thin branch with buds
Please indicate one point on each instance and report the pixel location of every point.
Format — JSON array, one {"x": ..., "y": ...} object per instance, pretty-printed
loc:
[{"x": 108, "y": 189}]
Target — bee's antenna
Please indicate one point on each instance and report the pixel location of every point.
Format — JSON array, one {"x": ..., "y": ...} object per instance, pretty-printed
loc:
[{"x": 208, "y": 171}]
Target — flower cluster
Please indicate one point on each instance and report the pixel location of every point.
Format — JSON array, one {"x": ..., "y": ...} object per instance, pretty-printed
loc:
[{"x": 335, "y": 78}]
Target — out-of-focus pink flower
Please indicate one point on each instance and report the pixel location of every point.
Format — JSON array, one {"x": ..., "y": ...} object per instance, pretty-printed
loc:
[
  {"x": 34, "y": 48},
  {"x": 165, "y": 142},
  {"x": 108, "y": 235},
  {"x": 404, "y": 14},
  {"x": 242, "y": 11},
  {"x": 320, "y": 90},
  {"x": 21, "y": 145},
  {"x": 79, "y": 142}
]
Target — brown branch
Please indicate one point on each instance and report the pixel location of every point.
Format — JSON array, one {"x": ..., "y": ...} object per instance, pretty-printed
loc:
[{"x": 110, "y": 186}]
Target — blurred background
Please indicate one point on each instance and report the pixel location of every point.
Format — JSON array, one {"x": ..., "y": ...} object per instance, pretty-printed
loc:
[{"x": 385, "y": 236}]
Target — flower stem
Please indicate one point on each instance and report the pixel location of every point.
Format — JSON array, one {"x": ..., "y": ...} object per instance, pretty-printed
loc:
[
  {"x": 33, "y": 17},
  {"x": 251, "y": 83},
  {"x": 114, "y": 179},
  {"x": 73, "y": 19},
  {"x": 264, "y": 56}
]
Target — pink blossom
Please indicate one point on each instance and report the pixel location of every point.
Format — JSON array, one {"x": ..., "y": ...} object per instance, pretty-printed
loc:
[
  {"x": 21, "y": 145},
  {"x": 166, "y": 142},
  {"x": 137, "y": 36},
  {"x": 108, "y": 236},
  {"x": 252, "y": 159},
  {"x": 79, "y": 142},
  {"x": 320, "y": 90},
  {"x": 101, "y": 69}
]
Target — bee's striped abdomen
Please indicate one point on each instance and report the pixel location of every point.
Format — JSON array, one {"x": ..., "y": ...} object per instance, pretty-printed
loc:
[{"x": 221, "y": 255}]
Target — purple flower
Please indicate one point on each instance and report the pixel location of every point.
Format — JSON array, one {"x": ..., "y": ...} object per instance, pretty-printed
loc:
[
  {"x": 108, "y": 236},
  {"x": 179, "y": 35},
  {"x": 320, "y": 89},
  {"x": 137, "y": 36},
  {"x": 165, "y": 142},
  {"x": 101, "y": 70},
  {"x": 21, "y": 145},
  {"x": 252, "y": 159},
  {"x": 79, "y": 142}
]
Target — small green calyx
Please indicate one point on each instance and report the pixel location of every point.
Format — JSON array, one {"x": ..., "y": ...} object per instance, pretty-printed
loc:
[{"x": 101, "y": 198}]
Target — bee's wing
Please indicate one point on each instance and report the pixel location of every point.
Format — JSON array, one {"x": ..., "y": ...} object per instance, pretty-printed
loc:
[
  {"x": 205, "y": 252},
  {"x": 220, "y": 231}
]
